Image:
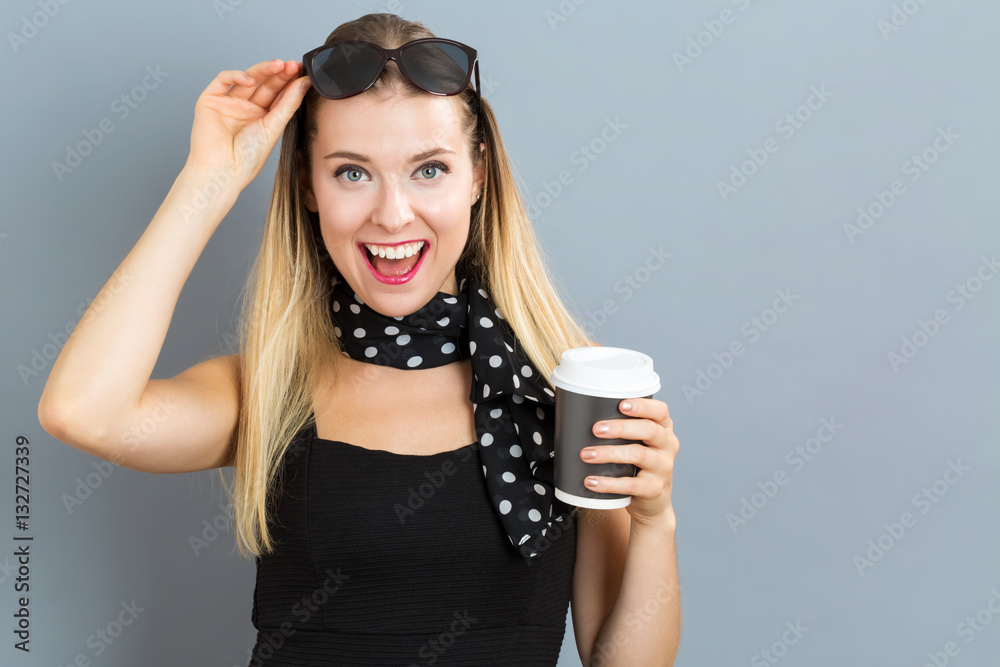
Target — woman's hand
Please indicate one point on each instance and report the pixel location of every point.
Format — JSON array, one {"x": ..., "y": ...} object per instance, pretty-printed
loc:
[
  {"x": 653, "y": 454},
  {"x": 236, "y": 127}
]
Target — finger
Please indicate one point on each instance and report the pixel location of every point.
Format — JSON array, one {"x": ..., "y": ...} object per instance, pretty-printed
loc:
[
  {"x": 259, "y": 73},
  {"x": 285, "y": 106},
  {"x": 269, "y": 89},
  {"x": 629, "y": 429},
  {"x": 637, "y": 454},
  {"x": 650, "y": 408},
  {"x": 226, "y": 78},
  {"x": 646, "y": 486}
]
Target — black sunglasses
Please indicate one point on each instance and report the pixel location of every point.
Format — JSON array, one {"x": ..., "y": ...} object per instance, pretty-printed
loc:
[{"x": 348, "y": 67}]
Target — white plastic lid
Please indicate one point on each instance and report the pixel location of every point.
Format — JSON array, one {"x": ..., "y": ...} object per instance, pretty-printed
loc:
[{"x": 608, "y": 372}]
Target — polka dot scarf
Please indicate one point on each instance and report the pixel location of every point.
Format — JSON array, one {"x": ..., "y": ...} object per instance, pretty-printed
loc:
[{"x": 514, "y": 408}]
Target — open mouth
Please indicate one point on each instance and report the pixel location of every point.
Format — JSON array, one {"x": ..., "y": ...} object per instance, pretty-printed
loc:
[{"x": 394, "y": 270}]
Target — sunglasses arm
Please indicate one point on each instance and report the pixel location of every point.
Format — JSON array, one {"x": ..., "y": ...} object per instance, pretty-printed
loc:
[{"x": 479, "y": 91}]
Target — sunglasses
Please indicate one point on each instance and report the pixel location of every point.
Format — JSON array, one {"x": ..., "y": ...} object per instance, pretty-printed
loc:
[{"x": 348, "y": 67}]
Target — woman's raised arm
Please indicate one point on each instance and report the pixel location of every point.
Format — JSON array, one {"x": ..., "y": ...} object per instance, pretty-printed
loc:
[{"x": 99, "y": 396}]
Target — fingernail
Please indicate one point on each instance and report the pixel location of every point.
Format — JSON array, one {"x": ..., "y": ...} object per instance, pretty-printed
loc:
[
  {"x": 602, "y": 428},
  {"x": 588, "y": 453},
  {"x": 591, "y": 482},
  {"x": 626, "y": 406}
]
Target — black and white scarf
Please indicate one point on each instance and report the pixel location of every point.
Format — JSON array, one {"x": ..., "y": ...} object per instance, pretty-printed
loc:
[{"x": 514, "y": 408}]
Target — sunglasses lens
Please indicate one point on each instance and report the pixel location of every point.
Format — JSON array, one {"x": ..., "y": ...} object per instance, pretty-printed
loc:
[
  {"x": 441, "y": 68},
  {"x": 345, "y": 69}
]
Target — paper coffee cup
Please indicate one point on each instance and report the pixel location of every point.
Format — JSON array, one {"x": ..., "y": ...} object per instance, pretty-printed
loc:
[{"x": 590, "y": 383}]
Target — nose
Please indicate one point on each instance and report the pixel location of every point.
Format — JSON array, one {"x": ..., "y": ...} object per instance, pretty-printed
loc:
[{"x": 392, "y": 207}]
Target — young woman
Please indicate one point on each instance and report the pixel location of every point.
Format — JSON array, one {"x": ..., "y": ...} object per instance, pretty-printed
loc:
[{"x": 389, "y": 416}]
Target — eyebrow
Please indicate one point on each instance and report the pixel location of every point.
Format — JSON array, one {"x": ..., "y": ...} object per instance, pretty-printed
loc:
[{"x": 364, "y": 158}]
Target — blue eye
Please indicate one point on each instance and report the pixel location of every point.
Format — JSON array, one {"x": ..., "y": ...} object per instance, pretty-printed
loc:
[
  {"x": 428, "y": 171},
  {"x": 437, "y": 166},
  {"x": 351, "y": 169}
]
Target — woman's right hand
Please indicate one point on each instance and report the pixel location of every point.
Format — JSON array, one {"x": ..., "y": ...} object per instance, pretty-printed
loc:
[{"x": 235, "y": 128}]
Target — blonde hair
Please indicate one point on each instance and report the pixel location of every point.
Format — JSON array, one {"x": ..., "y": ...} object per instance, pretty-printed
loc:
[{"x": 286, "y": 334}]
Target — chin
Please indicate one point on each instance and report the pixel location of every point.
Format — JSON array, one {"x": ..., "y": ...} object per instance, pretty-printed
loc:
[{"x": 398, "y": 304}]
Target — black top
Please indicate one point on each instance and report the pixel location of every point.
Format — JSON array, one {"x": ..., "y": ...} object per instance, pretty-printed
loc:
[{"x": 395, "y": 559}]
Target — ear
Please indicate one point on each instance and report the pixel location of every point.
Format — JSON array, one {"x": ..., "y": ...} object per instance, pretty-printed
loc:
[
  {"x": 479, "y": 173},
  {"x": 305, "y": 186}
]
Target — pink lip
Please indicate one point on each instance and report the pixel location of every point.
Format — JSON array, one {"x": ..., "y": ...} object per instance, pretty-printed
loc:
[{"x": 394, "y": 280}]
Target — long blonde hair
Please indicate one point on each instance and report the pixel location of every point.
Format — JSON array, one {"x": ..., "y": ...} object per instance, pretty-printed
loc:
[{"x": 285, "y": 332}]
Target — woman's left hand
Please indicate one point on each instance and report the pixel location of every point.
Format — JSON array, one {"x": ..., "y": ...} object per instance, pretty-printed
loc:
[{"x": 653, "y": 455}]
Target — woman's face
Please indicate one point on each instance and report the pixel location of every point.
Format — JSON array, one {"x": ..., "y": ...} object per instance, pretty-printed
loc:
[{"x": 395, "y": 172}]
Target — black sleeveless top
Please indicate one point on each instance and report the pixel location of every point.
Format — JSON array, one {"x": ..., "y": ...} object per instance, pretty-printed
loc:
[{"x": 394, "y": 559}]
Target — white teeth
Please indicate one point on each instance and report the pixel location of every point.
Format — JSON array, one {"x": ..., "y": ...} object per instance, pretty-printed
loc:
[{"x": 395, "y": 252}]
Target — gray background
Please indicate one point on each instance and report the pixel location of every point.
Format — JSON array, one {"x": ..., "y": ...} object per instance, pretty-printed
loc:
[{"x": 554, "y": 86}]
